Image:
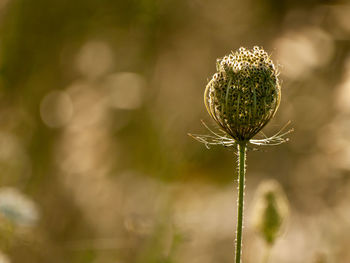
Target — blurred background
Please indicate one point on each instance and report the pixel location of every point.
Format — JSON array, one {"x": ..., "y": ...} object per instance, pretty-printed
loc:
[{"x": 97, "y": 98}]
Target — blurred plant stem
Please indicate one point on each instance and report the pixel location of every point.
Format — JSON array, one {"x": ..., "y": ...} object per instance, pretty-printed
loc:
[
  {"x": 241, "y": 174},
  {"x": 267, "y": 253},
  {"x": 7, "y": 236}
]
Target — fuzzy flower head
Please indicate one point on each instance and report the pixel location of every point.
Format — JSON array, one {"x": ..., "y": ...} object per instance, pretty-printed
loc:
[
  {"x": 244, "y": 93},
  {"x": 17, "y": 208}
]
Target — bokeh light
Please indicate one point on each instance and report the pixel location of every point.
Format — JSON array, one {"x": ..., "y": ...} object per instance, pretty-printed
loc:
[{"x": 56, "y": 109}]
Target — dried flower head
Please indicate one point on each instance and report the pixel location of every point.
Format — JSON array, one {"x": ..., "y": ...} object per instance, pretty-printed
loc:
[
  {"x": 244, "y": 93},
  {"x": 242, "y": 97},
  {"x": 270, "y": 210}
]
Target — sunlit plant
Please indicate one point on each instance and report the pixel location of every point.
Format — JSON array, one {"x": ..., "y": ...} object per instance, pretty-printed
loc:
[{"x": 242, "y": 97}]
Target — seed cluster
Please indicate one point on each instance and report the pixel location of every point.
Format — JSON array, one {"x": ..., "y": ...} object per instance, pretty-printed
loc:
[{"x": 244, "y": 93}]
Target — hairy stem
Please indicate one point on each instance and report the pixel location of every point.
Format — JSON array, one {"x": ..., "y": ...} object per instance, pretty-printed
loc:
[{"x": 240, "y": 201}]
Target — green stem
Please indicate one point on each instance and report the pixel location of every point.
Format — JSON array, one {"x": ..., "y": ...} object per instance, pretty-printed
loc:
[
  {"x": 267, "y": 254},
  {"x": 240, "y": 201}
]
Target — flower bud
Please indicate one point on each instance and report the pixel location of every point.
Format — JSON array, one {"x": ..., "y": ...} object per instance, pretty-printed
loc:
[
  {"x": 270, "y": 210},
  {"x": 244, "y": 93}
]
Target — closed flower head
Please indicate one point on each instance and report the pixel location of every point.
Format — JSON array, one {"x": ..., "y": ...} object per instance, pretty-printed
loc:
[
  {"x": 244, "y": 93},
  {"x": 242, "y": 97}
]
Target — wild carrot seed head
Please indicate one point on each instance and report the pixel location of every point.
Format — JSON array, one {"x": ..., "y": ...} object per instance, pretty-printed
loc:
[{"x": 244, "y": 93}]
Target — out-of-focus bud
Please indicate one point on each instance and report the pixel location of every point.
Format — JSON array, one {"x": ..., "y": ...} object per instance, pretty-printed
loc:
[{"x": 270, "y": 210}]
